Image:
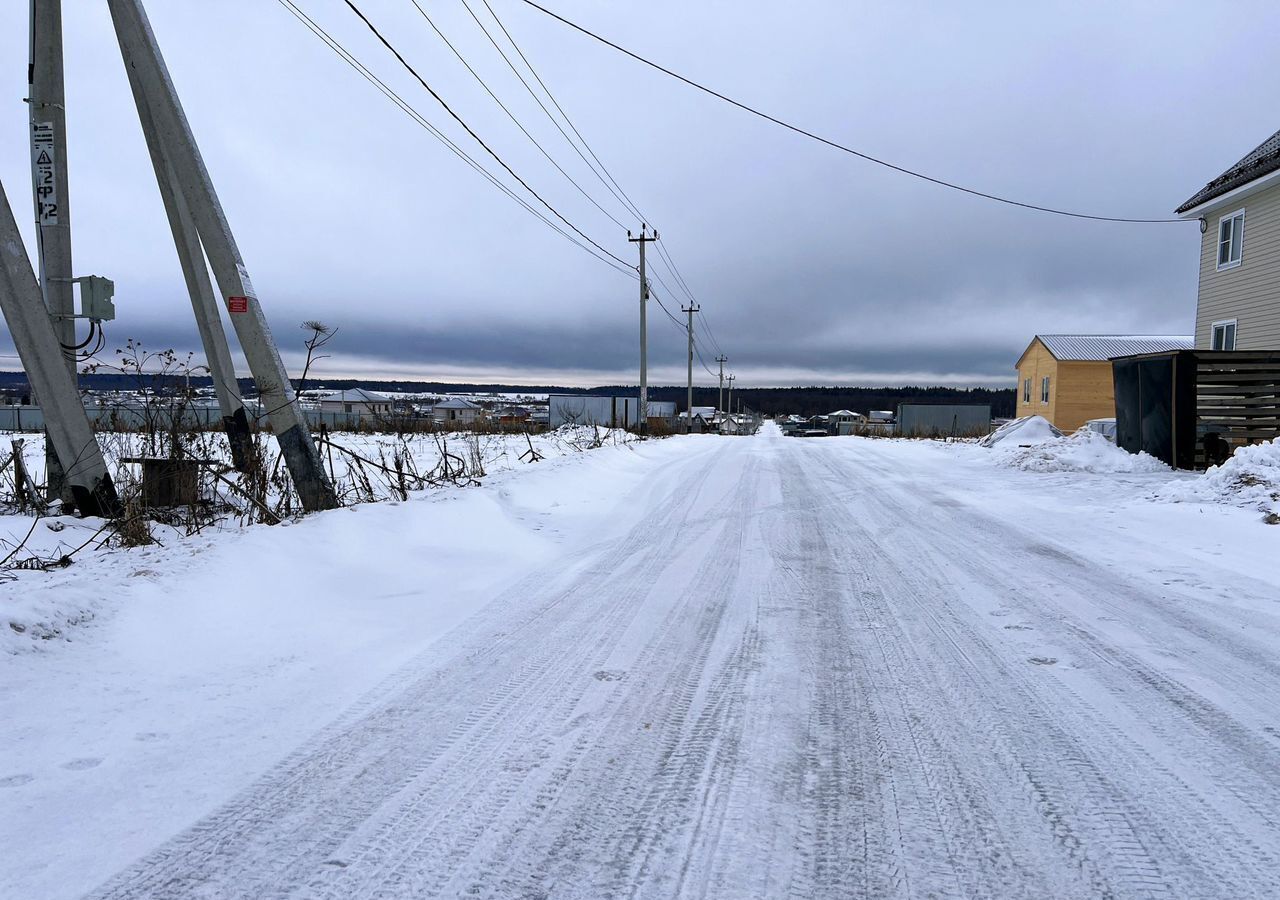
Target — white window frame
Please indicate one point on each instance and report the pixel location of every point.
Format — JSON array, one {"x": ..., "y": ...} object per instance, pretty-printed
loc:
[
  {"x": 1236, "y": 241},
  {"x": 1044, "y": 390},
  {"x": 1234, "y": 324},
  {"x": 1026, "y": 391}
]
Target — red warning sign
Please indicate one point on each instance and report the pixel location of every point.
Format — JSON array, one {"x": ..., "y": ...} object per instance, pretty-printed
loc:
[{"x": 237, "y": 304}]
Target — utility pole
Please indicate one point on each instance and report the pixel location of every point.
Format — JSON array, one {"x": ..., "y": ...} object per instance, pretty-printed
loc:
[
  {"x": 172, "y": 132},
  {"x": 195, "y": 273},
  {"x": 688, "y": 419},
  {"x": 47, "y": 106},
  {"x": 75, "y": 445},
  {"x": 722, "y": 359},
  {"x": 644, "y": 328},
  {"x": 730, "y": 407}
]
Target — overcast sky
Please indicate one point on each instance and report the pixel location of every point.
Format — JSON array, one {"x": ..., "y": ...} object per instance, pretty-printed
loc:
[{"x": 812, "y": 266}]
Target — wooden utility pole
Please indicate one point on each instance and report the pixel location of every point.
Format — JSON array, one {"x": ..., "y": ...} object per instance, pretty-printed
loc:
[
  {"x": 644, "y": 327},
  {"x": 688, "y": 418}
]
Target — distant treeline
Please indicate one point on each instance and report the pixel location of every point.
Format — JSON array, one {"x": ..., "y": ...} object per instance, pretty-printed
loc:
[{"x": 805, "y": 401}]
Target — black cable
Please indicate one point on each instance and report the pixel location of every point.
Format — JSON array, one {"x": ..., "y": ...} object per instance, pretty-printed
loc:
[
  {"x": 654, "y": 294},
  {"x": 85, "y": 343},
  {"x": 511, "y": 116},
  {"x": 836, "y": 145},
  {"x": 702, "y": 361},
  {"x": 396, "y": 53},
  {"x": 616, "y": 189},
  {"x": 409, "y": 110},
  {"x": 714, "y": 343},
  {"x": 664, "y": 254}
]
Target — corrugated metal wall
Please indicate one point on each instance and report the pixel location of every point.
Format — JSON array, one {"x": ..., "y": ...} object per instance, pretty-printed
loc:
[{"x": 943, "y": 420}]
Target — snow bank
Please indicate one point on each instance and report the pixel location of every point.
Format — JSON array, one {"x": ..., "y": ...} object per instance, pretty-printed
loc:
[
  {"x": 1084, "y": 451},
  {"x": 1251, "y": 478},
  {"x": 1027, "y": 430},
  {"x": 33, "y": 613}
]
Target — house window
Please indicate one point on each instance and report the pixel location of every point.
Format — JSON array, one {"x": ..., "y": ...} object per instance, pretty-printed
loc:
[
  {"x": 1230, "y": 240},
  {"x": 1044, "y": 389},
  {"x": 1026, "y": 391},
  {"x": 1224, "y": 335}
]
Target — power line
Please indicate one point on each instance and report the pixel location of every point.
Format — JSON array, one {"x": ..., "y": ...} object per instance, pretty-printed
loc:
[
  {"x": 835, "y": 144},
  {"x": 512, "y": 117},
  {"x": 616, "y": 189},
  {"x": 510, "y": 171},
  {"x": 654, "y": 295},
  {"x": 409, "y": 110},
  {"x": 702, "y": 361},
  {"x": 714, "y": 343},
  {"x": 663, "y": 253}
]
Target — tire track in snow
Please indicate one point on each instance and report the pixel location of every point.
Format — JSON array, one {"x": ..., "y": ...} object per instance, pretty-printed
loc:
[{"x": 284, "y": 831}]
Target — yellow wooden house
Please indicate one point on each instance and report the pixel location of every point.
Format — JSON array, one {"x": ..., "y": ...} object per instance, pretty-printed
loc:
[{"x": 1067, "y": 377}]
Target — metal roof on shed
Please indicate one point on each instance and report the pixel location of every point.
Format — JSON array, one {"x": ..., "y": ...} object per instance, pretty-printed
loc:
[{"x": 1098, "y": 347}]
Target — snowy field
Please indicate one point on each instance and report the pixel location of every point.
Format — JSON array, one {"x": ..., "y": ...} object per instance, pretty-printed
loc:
[{"x": 695, "y": 667}]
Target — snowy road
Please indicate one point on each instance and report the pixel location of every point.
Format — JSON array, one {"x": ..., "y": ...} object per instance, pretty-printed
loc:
[{"x": 804, "y": 668}]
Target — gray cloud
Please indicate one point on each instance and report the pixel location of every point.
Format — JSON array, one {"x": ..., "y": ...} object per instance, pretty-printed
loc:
[{"x": 811, "y": 265}]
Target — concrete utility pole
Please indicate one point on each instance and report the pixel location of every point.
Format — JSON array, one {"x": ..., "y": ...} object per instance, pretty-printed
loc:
[
  {"x": 195, "y": 273},
  {"x": 688, "y": 419},
  {"x": 644, "y": 327},
  {"x": 730, "y": 406},
  {"x": 47, "y": 106},
  {"x": 84, "y": 470},
  {"x": 722, "y": 359},
  {"x": 172, "y": 132}
]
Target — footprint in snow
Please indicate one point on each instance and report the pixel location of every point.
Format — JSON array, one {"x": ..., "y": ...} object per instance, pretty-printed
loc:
[
  {"x": 15, "y": 780},
  {"x": 150, "y": 736},
  {"x": 1017, "y": 628},
  {"x": 610, "y": 675},
  {"x": 79, "y": 765},
  {"x": 1042, "y": 661}
]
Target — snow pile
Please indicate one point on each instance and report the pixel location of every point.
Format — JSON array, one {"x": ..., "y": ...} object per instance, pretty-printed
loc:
[
  {"x": 1251, "y": 477},
  {"x": 1084, "y": 451},
  {"x": 1027, "y": 430},
  {"x": 30, "y": 547}
]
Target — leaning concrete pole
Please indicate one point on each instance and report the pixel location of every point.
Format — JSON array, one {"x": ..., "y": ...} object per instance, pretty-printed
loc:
[
  {"x": 33, "y": 333},
  {"x": 204, "y": 302},
  {"x": 140, "y": 51},
  {"x": 47, "y": 100}
]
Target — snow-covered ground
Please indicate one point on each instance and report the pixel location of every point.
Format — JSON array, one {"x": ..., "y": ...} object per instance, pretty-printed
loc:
[{"x": 703, "y": 666}]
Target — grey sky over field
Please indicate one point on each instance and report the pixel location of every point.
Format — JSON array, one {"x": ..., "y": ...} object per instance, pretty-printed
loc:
[{"x": 812, "y": 266}]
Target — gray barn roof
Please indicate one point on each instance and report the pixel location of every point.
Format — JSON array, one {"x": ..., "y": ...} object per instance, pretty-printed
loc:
[
  {"x": 354, "y": 395},
  {"x": 1098, "y": 347},
  {"x": 457, "y": 403},
  {"x": 1262, "y": 160}
]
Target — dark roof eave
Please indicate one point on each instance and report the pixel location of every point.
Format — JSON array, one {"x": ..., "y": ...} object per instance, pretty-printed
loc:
[{"x": 1231, "y": 179}]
